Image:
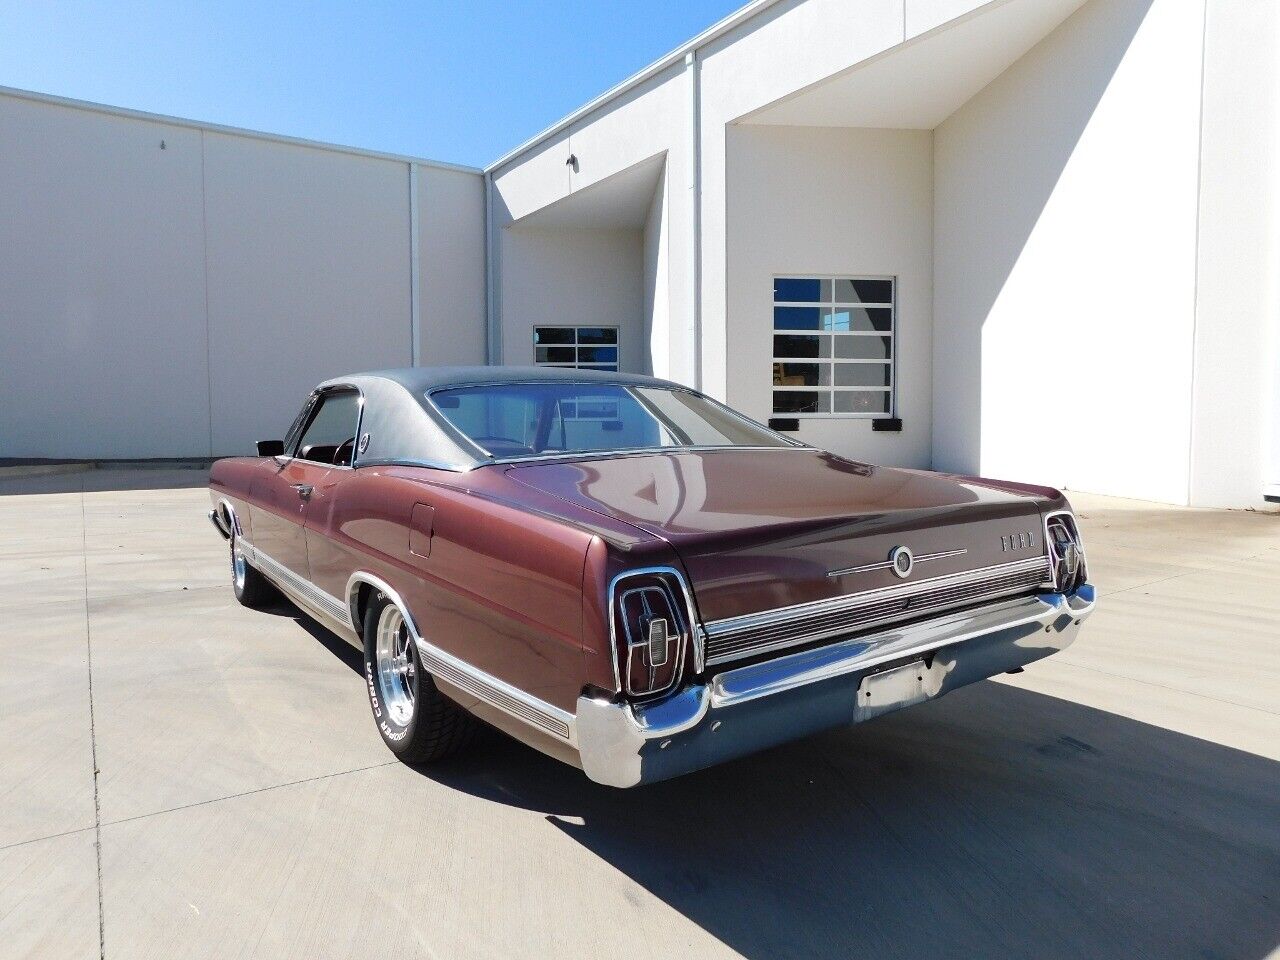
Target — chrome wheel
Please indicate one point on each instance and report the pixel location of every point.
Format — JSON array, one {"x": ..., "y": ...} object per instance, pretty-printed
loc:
[
  {"x": 397, "y": 670},
  {"x": 238, "y": 565}
]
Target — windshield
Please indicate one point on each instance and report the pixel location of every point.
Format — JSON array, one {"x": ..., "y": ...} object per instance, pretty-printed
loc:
[{"x": 511, "y": 420}]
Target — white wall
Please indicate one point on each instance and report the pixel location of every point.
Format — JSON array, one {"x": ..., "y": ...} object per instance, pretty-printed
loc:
[
  {"x": 651, "y": 120},
  {"x": 811, "y": 200},
  {"x": 657, "y": 284},
  {"x": 181, "y": 301},
  {"x": 1065, "y": 225},
  {"x": 102, "y": 319},
  {"x": 451, "y": 254},
  {"x": 308, "y": 271},
  {"x": 1234, "y": 448},
  {"x": 575, "y": 278}
]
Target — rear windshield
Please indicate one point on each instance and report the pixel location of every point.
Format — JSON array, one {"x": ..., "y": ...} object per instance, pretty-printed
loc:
[{"x": 514, "y": 420}]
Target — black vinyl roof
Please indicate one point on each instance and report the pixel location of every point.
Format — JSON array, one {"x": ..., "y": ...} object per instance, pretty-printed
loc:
[
  {"x": 399, "y": 426},
  {"x": 417, "y": 380}
]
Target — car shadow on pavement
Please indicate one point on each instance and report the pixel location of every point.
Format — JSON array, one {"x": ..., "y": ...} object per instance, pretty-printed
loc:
[{"x": 996, "y": 822}]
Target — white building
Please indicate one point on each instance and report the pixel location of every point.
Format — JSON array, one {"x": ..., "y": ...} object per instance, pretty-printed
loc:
[{"x": 1035, "y": 239}]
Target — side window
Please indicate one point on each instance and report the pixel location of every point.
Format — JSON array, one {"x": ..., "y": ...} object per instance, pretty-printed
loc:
[{"x": 330, "y": 437}]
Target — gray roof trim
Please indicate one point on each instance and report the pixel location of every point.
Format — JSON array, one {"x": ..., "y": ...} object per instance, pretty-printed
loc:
[{"x": 201, "y": 125}]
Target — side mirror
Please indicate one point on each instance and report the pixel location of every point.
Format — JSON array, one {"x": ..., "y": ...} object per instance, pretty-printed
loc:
[{"x": 271, "y": 448}]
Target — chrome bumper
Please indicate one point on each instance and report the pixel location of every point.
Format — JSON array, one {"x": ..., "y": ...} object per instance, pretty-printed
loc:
[{"x": 752, "y": 708}]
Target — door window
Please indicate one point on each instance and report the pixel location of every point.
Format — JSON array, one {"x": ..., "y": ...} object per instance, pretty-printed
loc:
[{"x": 330, "y": 436}]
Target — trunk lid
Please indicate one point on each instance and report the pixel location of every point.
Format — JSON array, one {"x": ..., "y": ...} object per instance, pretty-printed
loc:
[{"x": 763, "y": 529}]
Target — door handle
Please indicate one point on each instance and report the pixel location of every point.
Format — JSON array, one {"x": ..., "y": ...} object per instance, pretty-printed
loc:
[{"x": 304, "y": 490}]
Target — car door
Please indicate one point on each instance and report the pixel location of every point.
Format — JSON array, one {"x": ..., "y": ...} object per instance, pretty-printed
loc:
[{"x": 285, "y": 495}]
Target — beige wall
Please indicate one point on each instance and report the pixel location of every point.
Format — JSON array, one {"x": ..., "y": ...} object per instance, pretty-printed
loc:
[
  {"x": 451, "y": 262},
  {"x": 575, "y": 278},
  {"x": 308, "y": 272},
  {"x": 1066, "y": 204},
  {"x": 855, "y": 202},
  {"x": 102, "y": 310},
  {"x": 181, "y": 301}
]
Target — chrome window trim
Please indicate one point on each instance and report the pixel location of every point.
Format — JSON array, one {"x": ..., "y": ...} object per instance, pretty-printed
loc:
[
  {"x": 799, "y": 613},
  {"x": 788, "y": 443},
  {"x": 499, "y": 694},
  {"x": 696, "y": 632},
  {"x": 318, "y": 395}
]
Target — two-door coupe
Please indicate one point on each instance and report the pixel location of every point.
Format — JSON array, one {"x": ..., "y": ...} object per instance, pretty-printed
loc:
[{"x": 628, "y": 575}]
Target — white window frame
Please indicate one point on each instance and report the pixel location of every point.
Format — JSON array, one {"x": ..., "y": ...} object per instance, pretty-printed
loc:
[
  {"x": 832, "y": 360},
  {"x": 614, "y": 367}
]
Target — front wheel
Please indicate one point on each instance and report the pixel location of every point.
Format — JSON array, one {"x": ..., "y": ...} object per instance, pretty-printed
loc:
[
  {"x": 417, "y": 721},
  {"x": 251, "y": 588}
]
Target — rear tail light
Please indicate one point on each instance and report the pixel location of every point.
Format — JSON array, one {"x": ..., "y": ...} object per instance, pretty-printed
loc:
[
  {"x": 1066, "y": 552},
  {"x": 650, "y": 630}
]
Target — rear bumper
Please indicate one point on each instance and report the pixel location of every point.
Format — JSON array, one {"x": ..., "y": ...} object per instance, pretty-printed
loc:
[{"x": 752, "y": 708}]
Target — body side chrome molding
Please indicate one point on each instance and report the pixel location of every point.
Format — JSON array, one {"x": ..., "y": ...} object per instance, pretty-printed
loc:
[
  {"x": 497, "y": 693},
  {"x": 298, "y": 586}
]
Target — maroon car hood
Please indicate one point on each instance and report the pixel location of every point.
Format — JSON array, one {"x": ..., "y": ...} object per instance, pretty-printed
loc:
[{"x": 758, "y": 529}]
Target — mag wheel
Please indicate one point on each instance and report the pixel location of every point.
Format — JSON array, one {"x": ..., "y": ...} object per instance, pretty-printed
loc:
[
  {"x": 251, "y": 588},
  {"x": 417, "y": 721}
]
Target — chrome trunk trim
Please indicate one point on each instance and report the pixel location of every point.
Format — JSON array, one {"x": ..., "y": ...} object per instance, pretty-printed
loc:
[{"x": 754, "y": 634}]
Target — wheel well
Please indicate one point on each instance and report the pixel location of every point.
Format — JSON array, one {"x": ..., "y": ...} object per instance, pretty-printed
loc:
[{"x": 359, "y": 604}]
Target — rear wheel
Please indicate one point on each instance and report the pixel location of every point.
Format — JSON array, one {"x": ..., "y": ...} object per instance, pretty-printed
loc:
[
  {"x": 251, "y": 588},
  {"x": 417, "y": 722}
]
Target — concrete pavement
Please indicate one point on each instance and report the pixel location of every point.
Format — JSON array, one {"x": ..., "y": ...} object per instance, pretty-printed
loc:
[{"x": 1122, "y": 799}]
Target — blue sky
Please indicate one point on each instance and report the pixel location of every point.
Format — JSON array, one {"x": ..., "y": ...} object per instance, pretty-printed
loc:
[{"x": 462, "y": 82}]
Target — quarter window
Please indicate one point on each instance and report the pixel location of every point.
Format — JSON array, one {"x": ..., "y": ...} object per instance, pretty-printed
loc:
[
  {"x": 833, "y": 346},
  {"x": 581, "y": 348}
]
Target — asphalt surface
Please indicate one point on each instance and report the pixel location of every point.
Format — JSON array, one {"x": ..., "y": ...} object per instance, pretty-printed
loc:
[{"x": 181, "y": 777}]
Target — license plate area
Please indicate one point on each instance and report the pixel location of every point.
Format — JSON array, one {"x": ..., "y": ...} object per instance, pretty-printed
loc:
[{"x": 891, "y": 689}]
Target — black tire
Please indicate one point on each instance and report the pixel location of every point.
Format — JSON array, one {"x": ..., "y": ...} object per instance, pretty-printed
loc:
[
  {"x": 251, "y": 588},
  {"x": 436, "y": 727}
]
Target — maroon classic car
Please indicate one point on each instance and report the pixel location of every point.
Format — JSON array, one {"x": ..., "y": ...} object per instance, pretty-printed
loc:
[{"x": 628, "y": 575}]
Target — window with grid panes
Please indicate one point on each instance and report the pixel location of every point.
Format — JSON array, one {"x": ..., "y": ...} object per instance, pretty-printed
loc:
[
  {"x": 833, "y": 346},
  {"x": 583, "y": 348}
]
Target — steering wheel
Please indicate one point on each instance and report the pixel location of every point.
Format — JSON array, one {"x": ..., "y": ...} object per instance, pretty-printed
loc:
[{"x": 343, "y": 455}]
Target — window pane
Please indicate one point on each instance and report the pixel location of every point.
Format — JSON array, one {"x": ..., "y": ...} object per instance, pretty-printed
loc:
[
  {"x": 553, "y": 334},
  {"x": 597, "y": 335},
  {"x": 801, "y": 374},
  {"x": 597, "y": 354},
  {"x": 333, "y": 425},
  {"x": 554, "y": 354},
  {"x": 797, "y": 318},
  {"x": 800, "y": 290},
  {"x": 863, "y": 348},
  {"x": 524, "y": 419},
  {"x": 804, "y": 347},
  {"x": 862, "y": 374},
  {"x": 864, "y": 291},
  {"x": 862, "y": 401},
  {"x": 796, "y": 401},
  {"x": 859, "y": 319}
]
